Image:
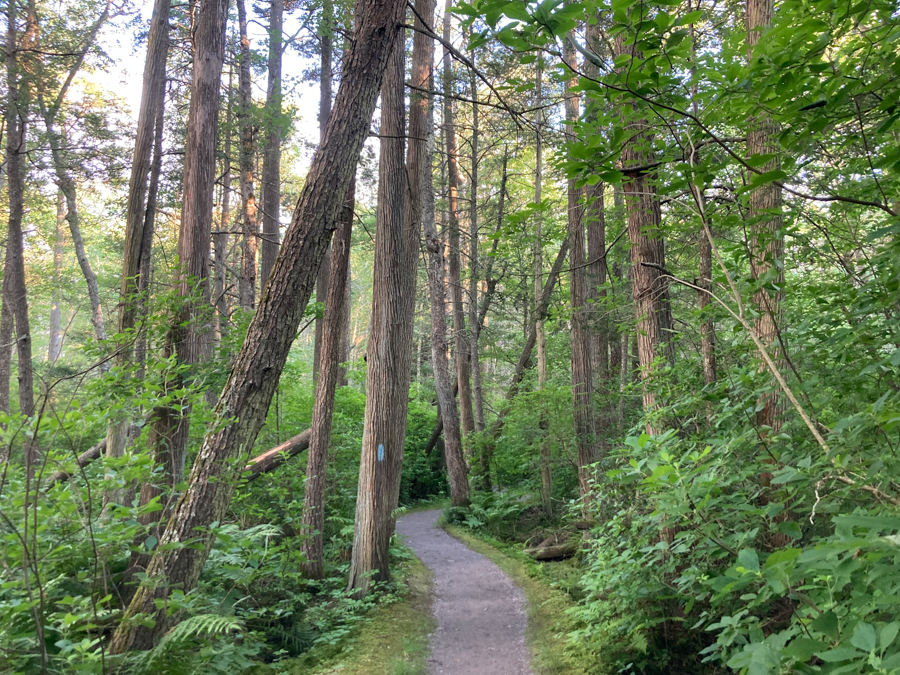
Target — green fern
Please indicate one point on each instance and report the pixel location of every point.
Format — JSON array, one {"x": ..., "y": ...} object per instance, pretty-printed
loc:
[{"x": 202, "y": 626}]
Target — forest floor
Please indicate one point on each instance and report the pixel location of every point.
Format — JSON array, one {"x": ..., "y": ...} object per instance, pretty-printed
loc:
[{"x": 480, "y": 612}]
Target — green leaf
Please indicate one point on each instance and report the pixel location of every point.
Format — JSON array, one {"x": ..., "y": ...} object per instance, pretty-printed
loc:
[
  {"x": 827, "y": 624},
  {"x": 839, "y": 654},
  {"x": 863, "y": 637},
  {"x": 888, "y": 633},
  {"x": 749, "y": 559},
  {"x": 802, "y": 649}
]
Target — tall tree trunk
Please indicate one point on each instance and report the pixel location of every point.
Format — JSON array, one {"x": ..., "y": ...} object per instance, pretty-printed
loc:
[
  {"x": 326, "y": 74},
  {"x": 582, "y": 366},
  {"x": 765, "y": 219},
  {"x": 313, "y": 520},
  {"x": 390, "y": 344},
  {"x": 242, "y": 408},
  {"x": 250, "y": 243},
  {"x": 220, "y": 240},
  {"x": 421, "y": 121},
  {"x": 461, "y": 346},
  {"x": 650, "y": 290},
  {"x": 152, "y": 99},
  {"x": 16, "y": 114},
  {"x": 7, "y": 326},
  {"x": 474, "y": 324},
  {"x": 271, "y": 172},
  {"x": 55, "y": 343},
  {"x": 538, "y": 254}
]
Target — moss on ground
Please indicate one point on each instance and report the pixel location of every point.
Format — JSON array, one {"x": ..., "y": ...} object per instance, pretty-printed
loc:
[{"x": 548, "y": 622}]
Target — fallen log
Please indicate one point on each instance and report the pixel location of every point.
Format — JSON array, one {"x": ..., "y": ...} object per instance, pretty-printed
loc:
[
  {"x": 556, "y": 552},
  {"x": 272, "y": 459}
]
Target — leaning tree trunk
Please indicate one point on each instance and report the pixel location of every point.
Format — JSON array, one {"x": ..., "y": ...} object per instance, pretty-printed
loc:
[
  {"x": 461, "y": 346},
  {"x": 247, "y": 286},
  {"x": 582, "y": 366},
  {"x": 389, "y": 352},
  {"x": 326, "y": 29},
  {"x": 421, "y": 122},
  {"x": 242, "y": 408},
  {"x": 271, "y": 172},
  {"x": 650, "y": 289},
  {"x": 313, "y": 520},
  {"x": 152, "y": 99},
  {"x": 16, "y": 295}
]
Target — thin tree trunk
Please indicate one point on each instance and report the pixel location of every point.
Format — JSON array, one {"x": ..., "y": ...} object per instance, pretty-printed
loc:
[
  {"x": 461, "y": 346},
  {"x": 326, "y": 75},
  {"x": 421, "y": 119},
  {"x": 538, "y": 263},
  {"x": 313, "y": 519},
  {"x": 220, "y": 240},
  {"x": 250, "y": 243},
  {"x": 55, "y": 343},
  {"x": 390, "y": 344},
  {"x": 582, "y": 373},
  {"x": 271, "y": 172},
  {"x": 16, "y": 114},
  {"x": 474, "y": 324},
  {"x": 152, "y": 99},
  {"x": 7, "y": 325},
  {"x": 242, "y": 408}
]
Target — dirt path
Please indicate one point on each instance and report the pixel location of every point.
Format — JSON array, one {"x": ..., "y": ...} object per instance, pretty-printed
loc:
[{"x": 480, "y": 613}]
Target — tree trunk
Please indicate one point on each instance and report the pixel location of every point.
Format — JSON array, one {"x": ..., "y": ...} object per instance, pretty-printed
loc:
[
  {"x": 390, "y": 344},
  {"x": 7, "y": 325},
  {"x": 765, "y": 220},
  {"x": 220, "y": 240},
  {"x": 247, "y": 290},
  {"x": 242, "y": 408},
  {"x": 16, "y": 114},
  {"x": 582, "y": 373},
  {"x": 152, "y": 99},
  {"x": 326, "y": 75},
  {"x": 55, "y": 343},
  {"x": 538, "y": 263},
  {"x": 474, "y": 324},
  {"x": 313, "y": 521},
  {"x": 650, "y": 290},
  {"x": 421, "y": 122},
  {"x": 271, "y": 172},
  {"x": 461, "y": 346}
]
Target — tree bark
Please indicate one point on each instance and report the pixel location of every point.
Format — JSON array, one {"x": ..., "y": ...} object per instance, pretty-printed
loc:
[
  {"x": 152, "y": 99},
  {"x": 247, "y": 286},
  {"x": 326, "y": 75},
  {"x": 650, "y": 290},
  {"x": 242, "y": 408},
  {"x": 474, "y": 324},
  {"x": 220, "y": 240},
  {"x": 765, "y": 219},
  {"x": 16, "y": 295},
  {"x": 54, "y": 350},
  {"x": 389, "y": 351},
  {"x": 271, "y": 172},
  {"x": 582, "y": 365},
  {"x": 313, "y": 519},
  {"x": 461, "y": 346},
  {"x": 421, "y": 122}
]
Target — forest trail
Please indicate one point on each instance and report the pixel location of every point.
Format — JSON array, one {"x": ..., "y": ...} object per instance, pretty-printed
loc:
[{"x": 480, "y": 613}]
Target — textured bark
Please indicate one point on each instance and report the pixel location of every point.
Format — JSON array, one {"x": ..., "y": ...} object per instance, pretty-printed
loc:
[
  {"x": 7, "y": 325},
  {"x": 249, "y": 245},
  {"x": 582, "y": 365},
  {"x": 313, "y": 519},
  {"x": 152, "y": 99},
  {"x": 326, "y": 75},
  {"x": 15, "y": 293},
  {"x": 274, "y": 458},
  {"x": 650, "y": 290},
  {"x": 707, "y": 328},
  {"x": 421, "y": 123},
  {"x": 462, "y": 351},
  {"x": 271, "y": 172},
  {"x": 474, "y": 324},
  {"x": 220, "y": 239},
  {"x": 765, "y": 220},
  {"x": 389, "y": 353},
  {"x": 242, "y": 408},
  {"x": 55, "y": 342}
]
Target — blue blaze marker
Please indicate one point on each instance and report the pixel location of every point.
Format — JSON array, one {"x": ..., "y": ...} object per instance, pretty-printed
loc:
[{"x": 380, "y": 453}]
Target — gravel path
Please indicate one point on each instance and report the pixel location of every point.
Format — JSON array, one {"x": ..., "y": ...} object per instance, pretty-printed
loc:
[{"x": 480, "y": 613}]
